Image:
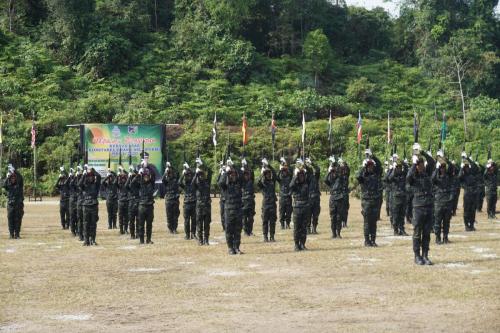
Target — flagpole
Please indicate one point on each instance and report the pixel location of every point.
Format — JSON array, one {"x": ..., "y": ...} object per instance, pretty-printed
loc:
[
  {"x": 272, "y": 133},
  {"x": 34, "y": 159}
]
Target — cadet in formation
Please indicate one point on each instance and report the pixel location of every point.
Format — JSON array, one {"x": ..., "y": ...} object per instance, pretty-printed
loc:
[
  {"x": 14, "y": 186},
  {"x": 370, "y": 179},
  {"x": 299, "y": 187},
  {"x": 145, "y": 178},
  {"x": 171, "y": 182},
  {"x": 285, "y": 202},
  {"x": 62, "y": 186},
  {"x": 442, "y": 181},
  {"x": 79, "y": 201},
  {"x": 491, "y": 183},
  {"x": 267, "y": 184},
  {"x": 111, "y": 189},
  {"x": 222, "y": 201},
  {"x": 123, "y": 203},
  {"x": 468, "y": 178},
  {"x": 90, "y": 184},
  {"x": 189, "y": 205},
  {"x": 230, "y": 183},
  {"x": 419, "y": 180},
  {"x": 337, "y": 181},
  {"x": 73, "y": 202},
  {"x": 248, "y": 209},
  {"x": 398, "y": 171},
  {"x": 314, "y": 174},
  {"x": 133, "y": 189},
  {"x": 202, "y": 182}
]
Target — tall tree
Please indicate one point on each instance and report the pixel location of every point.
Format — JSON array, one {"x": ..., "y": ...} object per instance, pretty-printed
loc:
[{"x": 317, "y": 51}]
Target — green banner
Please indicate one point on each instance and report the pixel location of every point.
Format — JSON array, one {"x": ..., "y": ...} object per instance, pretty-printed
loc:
[{"x": 104, "y": 141}]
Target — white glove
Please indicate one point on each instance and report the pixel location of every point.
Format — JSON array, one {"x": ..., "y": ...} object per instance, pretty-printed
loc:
[
  {"x": 391, "y": 166},
  {"x": 462, "y": 165},
  {"x": 414, "y": 159},
  {"x": 265, "y": 162},
  {"x": 488, "y": 165},
  {"x": 84, "y": 172},
  {"x": 365, "y": 162},
  {"x": 263, "y": 170},
  {"x": 341, "y": 161},
  {"x": 199, "y": 161},
  {"x": 330, "y": 168},
  {"x": 282, "y": 160},
  {"x": 8, "y": 174},
  {"x": 229, "y": 161},
  {"x": 440, "y": 153},
  {"x": 61, "y": 169},
  {"x": 464, "y": 154},
  {"x": 108, "y": 174},
  {"x": 282, "y": 166},
  {"x": 141, "y": 171},
  {"x": 332, "y": 159},
  {"x": 308, "y": 160},
  {"x": 244, "y": 162},
  {"x": 198, "y": 170},
  {"x": 227, "y": 168},
  {"x": 169, "y": 165},
  {"x": 438, "y": 164},
  {"x": 416, "y": 146},
  {"x": 405, "y": 161},
  {"x": 166, "y": 169},
  {"x": 296, "y": 171}
]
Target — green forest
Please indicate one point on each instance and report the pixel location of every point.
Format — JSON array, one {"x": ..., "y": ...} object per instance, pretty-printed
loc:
[{"x": 180, "y": 61}]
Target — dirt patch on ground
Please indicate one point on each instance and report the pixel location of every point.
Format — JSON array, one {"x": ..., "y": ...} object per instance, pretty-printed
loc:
[{"x": 50, "y": 283}]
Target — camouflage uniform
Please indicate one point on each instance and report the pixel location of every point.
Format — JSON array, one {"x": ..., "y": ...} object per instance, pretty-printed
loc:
[
  {"x": 397, "y": 179},
  {"x": 171, "y": 182},
  {"x": 189, "y": 206},
  {"x": 133, "y": 204},
  {"x": 123, "y": 202},
  {"x": 111, "y": 189},
  {"x": 248, "y": 200},
  {"x": 285, "y": 201},
  {"x": 201, "y": 183},
  {"x": 338, "y": 183},
  {"x": 314, "y": 197},
  {"x": 268, "y": 188},
  {"x": 90, "y": 184},
  {"x": 468, "y": 179},
  {"x": 491, "y": 182},
  {"x": 145, "y": 218},
  {"x": 62, "y": 187},
  {"x": 299, "y": 187},
  {"x": 230, "y": 183},
  {"x": 13, "y": 185}
]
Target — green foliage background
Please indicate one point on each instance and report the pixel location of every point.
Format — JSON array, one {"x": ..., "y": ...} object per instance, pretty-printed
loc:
[{"x": 141, "y": 61}]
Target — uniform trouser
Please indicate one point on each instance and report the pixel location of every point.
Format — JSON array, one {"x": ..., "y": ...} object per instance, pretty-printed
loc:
[
  {"x": 422, "y": 225},
  {"x": 222, "y": 204},
  {"x": 189, "y": 212},
  {"x": 172, "y": 210},
  {"x": 79, "y": 217},
  {"x": 337, "y": 208},
  {"x": 145, "y": 220},
  {"x": 112, "y": 207},
  {"x": 15, "y": 213},
  {"x": 442, "y": 217},
  {"x": 123, "y": 214},
  {"x": 133, "y": 212},
  {"x": 315, "y": 209},
  {"x": 233, "y": 227},
  {"x": 285, "y": 207},
  {"x": 491, "y": 203},
  {"x": 301, "y": 216},
  {"x": 398, "y": 210},
  {"x": 345, "y": 211},
  {"x": 388, "y": 203},
  {"x": 409, "y": 207},
  {"x": 370, "y": 210},
  {"x": 469, "y": 209},
  {"x": 73, "y": 215},
  {"x": 480, "y": 199},
  {"x": 203, "y": 220},
  {"x": 380, "y": 202},
  {"x": 269, "y": 220},
  {"x": 90, "y": 218},
  {"x": 64, "y": 213},
  {"x": 248, "y": 213},
  {"x": 456, "y": 196}
]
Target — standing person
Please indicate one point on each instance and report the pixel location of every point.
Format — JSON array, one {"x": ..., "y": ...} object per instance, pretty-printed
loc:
[
  {"x": 222, "y": 201},
  {"x": 397, "y": 179},
  {"x": 146, "y": 181},
  {"x": 335, "y": 180},
  {"x": 267, "y": 184},
  {"x": 344, "y": 172},
  {"x": 111, "y": 188},
  {"x": 442, "y": 179},
  {"x": 419, "y": 178},
  {"x": 370, "y": 179},
  {"x": 123, "y": 203},
  {"x": 73, "y": 202},
  {"x": 388, "y": 191},
  {"x": 202, "y": 182},
  {"x": 491, "y": 182},
  {"x": 171, "y": 182},
  {"x": 62, "y": 187},
  {"x": 14, "y": 186},
  {"x": 285, "y": 202},
  {"x": 456, "y": 187},
  {"x": 189, "y": 205},
  {"x": 314, "y": 175},
  {"x": 230, "y": 183},
  {"x": 480, "y": 186},
  {"x": 248, "y": 198},
  {"x": 90, "y": 184},
  {"x": 468, "y": 178},
  {"x": 299, "y": 187},
  {"x": 75, "y": 183},
  {"x": 133, "y": 189}
]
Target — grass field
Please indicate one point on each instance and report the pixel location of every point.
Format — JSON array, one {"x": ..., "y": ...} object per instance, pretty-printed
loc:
[{"x": 50, "y": 283}]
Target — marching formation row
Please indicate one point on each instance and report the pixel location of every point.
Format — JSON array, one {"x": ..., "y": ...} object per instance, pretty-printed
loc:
[{"x": 424, "y": 190}]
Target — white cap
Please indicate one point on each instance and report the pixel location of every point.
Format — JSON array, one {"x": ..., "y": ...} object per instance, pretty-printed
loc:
[
  {"x": 368, "y": 151},
  {"x": 416, "y": 146},
  {"x": 440, "y": 153}
]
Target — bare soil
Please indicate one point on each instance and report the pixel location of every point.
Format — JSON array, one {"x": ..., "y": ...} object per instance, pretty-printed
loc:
[{"x": 49, "y": 282}]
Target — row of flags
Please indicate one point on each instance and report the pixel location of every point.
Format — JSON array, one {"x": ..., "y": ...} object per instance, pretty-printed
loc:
[{"x": 359, "y": 129}]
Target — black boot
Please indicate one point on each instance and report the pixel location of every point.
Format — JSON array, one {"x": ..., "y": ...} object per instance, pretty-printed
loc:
[
  {"x": 205, "y": 241},
  {"x": 315, "y": 229},
  {"x": 271, "y": 238},
  {"x": 338, "y": 234},
  {"x": 445, "y": 239},
  {"x": 231, "y": 251},
  {"x": 334, "y": 233},
  {"x": 403, "y": 232},
  {"x": 86, "y": 242},
  {"x": 141, "y": 239},
  {"x": 367, "y": 241},
  {"x": 187, "y": 237},
  {"x": 121, "y": 230},
  {"x": 425, "y": 255},
  {"x": 266, "y": 239},
  {"x": 193, "y": 235},
  {"x": 438, "y": 239},
  {"x": 418, "y": 259},
  {"x": 297, "y": 247},
  {"x": 372, "y": 240}
]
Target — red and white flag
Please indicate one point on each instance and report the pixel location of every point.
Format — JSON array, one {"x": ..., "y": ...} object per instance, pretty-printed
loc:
[
  {"x": 359, "y": 127},
  {"x": 33, "y": 135}
]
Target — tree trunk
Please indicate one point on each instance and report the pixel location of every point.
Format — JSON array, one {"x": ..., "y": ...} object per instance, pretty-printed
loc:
[{"x": 11, "y": 14}]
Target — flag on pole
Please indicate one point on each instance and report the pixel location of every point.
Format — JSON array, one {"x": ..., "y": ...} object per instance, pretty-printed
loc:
[
  {"x": 415, "y": 127},
  {"x": 33, "y": 134},
  {"x": 244, "y": 130},
  {"x": 389, "y": 134},
  {"x": 330, "y": 128},
  {"x": 273, "y": 128},
  {"x": 359, "y": 127},
  {"x": 303, "y": 128},
  {"x": 214, "y": 131},
  {"x": 444, "y": 128}
]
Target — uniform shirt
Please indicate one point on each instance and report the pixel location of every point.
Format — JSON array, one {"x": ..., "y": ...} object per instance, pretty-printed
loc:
[
  {"x": 73, "y": 187},
  {"x": 397, "y": 179},
  {"x": 370, "y": 181},
  {"x": 248, "y": 193},
  {"x": 314, "y": 176},
  {"x": 146, "y": 189},
  {"x": 268, "y": 188},
  {"x": 171, "y": 183},
  {"x": 15, "y": 194},
  {"x": 121, "y": 182},
  {"x": 491, "y": 180},
  {"x": 300, "y": 192},
  {"x": 284, "y": 179},
  {"x": 443, "y": 186},
  {"x": 90, "y": 186},
  {"x": 189, "y": 189},
  {"x": 133, "y": 188},
  {"x": 111, "y": 188},
  {"x": 337, "y": 184},
  {"x": 202, "y": 188},
  {"x": 232, "y": 190},
  {"x": 62, "y": 187},
  {"x": 468, "y": 178},
  {"x": 421, "y": 183}
]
